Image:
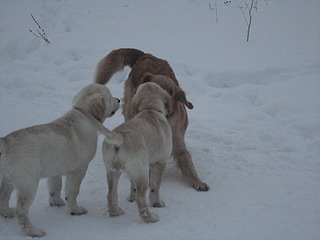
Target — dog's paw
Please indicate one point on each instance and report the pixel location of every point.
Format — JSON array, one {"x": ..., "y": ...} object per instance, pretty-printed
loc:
[
  {"x": 131, "y": 198},
  {"x": 78, "y": 210},
  {"x": 201, "y": 187},
  {"x": 56, "y": 202},
  {"x": 7, "y": 213},
  {"x": 158, "y": 204},
  {"x": 34, "y": 232},
  {"x": 150, "y": 218},
  {"x": 116, "y": 212}
]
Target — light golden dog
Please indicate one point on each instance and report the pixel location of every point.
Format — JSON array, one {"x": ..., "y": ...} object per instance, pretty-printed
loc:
[
  {"x": 162, "y": 74},
  {"x": 147, "y": 145},
  {"x": 62, "y": 147}
]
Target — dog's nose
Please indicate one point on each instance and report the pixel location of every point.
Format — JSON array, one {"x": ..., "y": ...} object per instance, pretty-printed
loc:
[{"x": 118, "y": 100}]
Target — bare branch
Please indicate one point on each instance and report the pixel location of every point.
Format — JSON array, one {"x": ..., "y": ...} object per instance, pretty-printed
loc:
[
  {"x": 40, "y": 32},
  {"x": 248, "y": 8}
]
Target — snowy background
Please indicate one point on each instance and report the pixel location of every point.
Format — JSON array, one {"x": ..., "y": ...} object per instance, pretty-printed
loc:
[{"x": 254, "y": 133}]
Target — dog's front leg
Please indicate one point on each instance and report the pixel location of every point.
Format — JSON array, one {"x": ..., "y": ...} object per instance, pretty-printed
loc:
[
  {"x": 54, "y": 188},
  {"x": 156, "y": 174},
  {"x": 72, "y": 189},
  {"x": 113, "y": 176},
  {"x": 184, "y": 162}
]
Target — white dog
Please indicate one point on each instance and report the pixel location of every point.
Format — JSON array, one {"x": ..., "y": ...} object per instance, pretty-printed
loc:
[
  {"x": 62, "y": 147},
  {"x": 147, "y": 145}
]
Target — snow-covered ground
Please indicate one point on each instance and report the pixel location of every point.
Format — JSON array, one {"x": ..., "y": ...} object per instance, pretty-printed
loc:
[{"x": 254, "y": 133}]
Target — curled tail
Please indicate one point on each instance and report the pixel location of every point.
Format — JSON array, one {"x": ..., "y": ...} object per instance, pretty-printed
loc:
[
  {"x": 111, "y": 136},
  {"x": 115, "y": 61}
]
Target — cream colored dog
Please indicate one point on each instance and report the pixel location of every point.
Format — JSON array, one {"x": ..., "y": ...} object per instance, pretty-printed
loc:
[
  {"x": 147, "y": 145},
  {"x": 62, "y": 147}
]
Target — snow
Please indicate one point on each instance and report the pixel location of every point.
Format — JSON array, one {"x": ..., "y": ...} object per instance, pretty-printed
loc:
[{"x": 254, "y": 133}]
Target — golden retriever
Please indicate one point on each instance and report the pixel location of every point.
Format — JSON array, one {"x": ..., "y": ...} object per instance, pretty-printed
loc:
[
  {"x": 147, "y": 145},
  {"x": 62, "y": 147},
  {"x": 162, "y": 74}
]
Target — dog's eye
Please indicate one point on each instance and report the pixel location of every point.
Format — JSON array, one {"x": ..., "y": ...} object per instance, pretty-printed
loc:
[{"x": 170, "y": 92}]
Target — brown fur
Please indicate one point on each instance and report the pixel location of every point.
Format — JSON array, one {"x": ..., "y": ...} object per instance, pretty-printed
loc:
[{"x": 146, "y": 67}]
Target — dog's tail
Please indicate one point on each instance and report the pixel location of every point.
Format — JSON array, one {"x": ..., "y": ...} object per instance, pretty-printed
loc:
[
  {"x": 112, "y": 137},
  {"x": 116, "y": 140},
  {"x": 114, "y": 62}
]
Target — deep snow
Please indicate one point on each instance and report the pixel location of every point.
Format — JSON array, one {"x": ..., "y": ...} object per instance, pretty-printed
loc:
[{"x": 254, "y": 133}]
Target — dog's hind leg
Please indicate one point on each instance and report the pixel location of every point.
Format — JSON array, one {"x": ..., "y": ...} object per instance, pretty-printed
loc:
[
  {"x": 133, "y": 190},
  {"x": 26, "y": 192},
  {"x": 72, "y": 188},
  {"x": 156, "y": 173},
  {"x": 54, "y": 188},
  {"x": 5, "y": 194},
  {"x": 113, "y": 176},
  {"x": 142, "y": 183},
  {"x": 184, "y": 162}
]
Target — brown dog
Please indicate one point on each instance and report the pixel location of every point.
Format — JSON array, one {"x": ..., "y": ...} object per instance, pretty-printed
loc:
[{"x": 160, "y": 72}]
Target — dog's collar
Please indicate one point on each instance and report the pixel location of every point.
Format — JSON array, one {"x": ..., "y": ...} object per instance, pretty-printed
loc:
[
  {"x": 151, "y": 110},
  {"x": 88, "y": 115}
]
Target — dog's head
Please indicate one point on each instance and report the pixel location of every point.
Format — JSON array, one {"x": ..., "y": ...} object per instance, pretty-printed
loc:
[
  {"x": 178, "y": 95},
  {"x": 97, "y": 100},
  {"x": 150, "y": 96}
]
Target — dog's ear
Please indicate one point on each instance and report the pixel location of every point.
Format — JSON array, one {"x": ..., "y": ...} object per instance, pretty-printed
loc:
[
  {"x": 146, "y": 78},
  {"x": 181, "y": 97},
  {"x": 98, "y": 109},
  {"x": 168, "y": 105},
  {"x": 134, "y": 108}
]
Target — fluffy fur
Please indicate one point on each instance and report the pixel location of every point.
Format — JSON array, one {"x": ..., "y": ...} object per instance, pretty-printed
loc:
[
  {"x": 160, "y": 72},
  {"x": 62, "y": 147},
  {"x": 147, "y": 145}
]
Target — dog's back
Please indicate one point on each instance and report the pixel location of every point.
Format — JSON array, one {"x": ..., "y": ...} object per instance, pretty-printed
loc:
[
  {"x": 148, "y": 135},
  {"x": 141, "y": 63}
]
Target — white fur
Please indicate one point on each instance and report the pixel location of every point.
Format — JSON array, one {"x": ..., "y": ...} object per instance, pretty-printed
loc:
[
  {"x": 62, "y": 147},
  {"x": 147, "y": 145}
]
